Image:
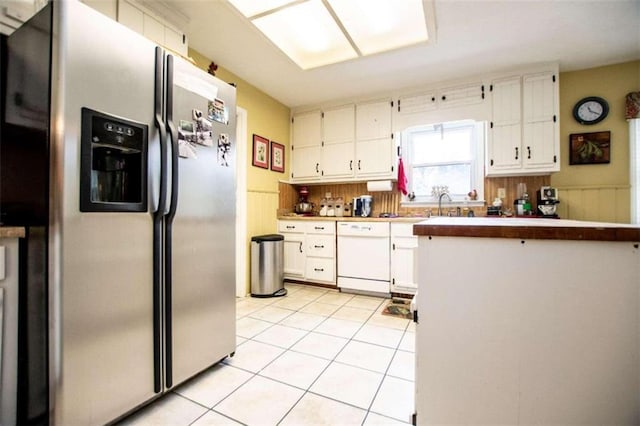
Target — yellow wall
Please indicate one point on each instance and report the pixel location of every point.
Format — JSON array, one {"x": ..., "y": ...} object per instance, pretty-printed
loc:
[
  {"x": 270, "y": 119},
  {"x": 599, "y": 191}
]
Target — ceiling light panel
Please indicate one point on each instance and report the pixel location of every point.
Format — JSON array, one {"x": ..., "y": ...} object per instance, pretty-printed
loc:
[
  {"x": 251, "y": 8},
  {"x": 307, "y": 33},
  {"x": 380, "y": 25}
]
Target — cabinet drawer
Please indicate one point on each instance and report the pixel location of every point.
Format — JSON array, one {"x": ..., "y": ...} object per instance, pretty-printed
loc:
[
  {"x": 290, "y": 226},
  {"x": 321, "y": 228},
  {"x": 318, "y": 269},
  {"x": 321, "y": 246}
]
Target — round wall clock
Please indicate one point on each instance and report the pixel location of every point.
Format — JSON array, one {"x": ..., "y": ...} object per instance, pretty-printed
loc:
[{"x": 590, "y": 110}]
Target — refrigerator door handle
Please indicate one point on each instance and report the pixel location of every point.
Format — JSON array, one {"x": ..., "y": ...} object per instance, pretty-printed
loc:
[
  {"x": 157, "y": 222},
  {"x": 173, "y": 134}
]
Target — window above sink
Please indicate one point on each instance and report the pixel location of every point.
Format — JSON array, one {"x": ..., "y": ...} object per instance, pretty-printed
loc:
[{"x": 450, "y": 155}]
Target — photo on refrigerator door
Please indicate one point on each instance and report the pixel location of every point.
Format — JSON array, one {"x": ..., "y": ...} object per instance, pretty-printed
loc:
[
  {"x": 203, "y": 129},
  {"x": 186, "y": 139},
  {"x": 217, "y": 111},
  {"x": 224, "y": 149}
]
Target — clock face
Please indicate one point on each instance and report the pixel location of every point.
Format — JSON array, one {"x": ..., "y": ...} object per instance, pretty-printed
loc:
[{"x": 591, "y": 110}]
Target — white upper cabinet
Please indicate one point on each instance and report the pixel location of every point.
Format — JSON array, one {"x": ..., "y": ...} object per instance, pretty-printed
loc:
[
  {"x": 374, "y": 141},
  {"x": 461, "y": 95},
  {"x": 342, "y": 144},
  {"x": 539, "y": 122},
  {"x": 13, "y": 13},
  {"x": 524, "y": 130},
  {"x": 417, "y": 103},
  {"x": 505, "y": 141},
  {"x": 306, "y": 146},
  {"x": 338, "y": 131},
  {"x": 135, "y": 16},
  {"x": 358, "y": 141},
  {"x": 373, "y": 120}
]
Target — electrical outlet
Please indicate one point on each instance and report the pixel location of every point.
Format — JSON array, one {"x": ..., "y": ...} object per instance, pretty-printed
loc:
[{"x": 502, "y": 193}]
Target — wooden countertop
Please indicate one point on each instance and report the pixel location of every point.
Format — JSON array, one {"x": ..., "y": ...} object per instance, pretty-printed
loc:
[
  {"x": 525, "y": 228},
  {"x": 11, "y": 232},
  {"x": 407, "y": 219}
]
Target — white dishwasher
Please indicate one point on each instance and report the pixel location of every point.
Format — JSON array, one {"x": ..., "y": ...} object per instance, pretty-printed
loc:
[{"x": 363, "y": 256}]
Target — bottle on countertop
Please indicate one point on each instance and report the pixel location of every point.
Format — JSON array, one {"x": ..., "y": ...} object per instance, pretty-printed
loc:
[
  {"x": 339, "y": 207},
  {"x": 323, "y": 207},
  {"x": 527, "y": 204}
]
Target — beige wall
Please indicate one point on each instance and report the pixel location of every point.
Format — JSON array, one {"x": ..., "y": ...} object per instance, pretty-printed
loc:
[
  {"x": 269, "y": 119},
  {"x": 600, "y": 191}
]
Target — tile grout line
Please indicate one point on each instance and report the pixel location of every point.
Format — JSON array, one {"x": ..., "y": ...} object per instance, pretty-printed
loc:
[
  {"x": 308, "y": 390},
  {"x": 383, "y": 378}
]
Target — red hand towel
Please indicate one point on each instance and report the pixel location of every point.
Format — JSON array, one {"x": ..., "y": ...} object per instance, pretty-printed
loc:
[{"x": 402, "y": 178}]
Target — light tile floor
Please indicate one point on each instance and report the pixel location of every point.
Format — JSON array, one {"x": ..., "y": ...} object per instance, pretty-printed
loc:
[{"x": 315, "y": 356}]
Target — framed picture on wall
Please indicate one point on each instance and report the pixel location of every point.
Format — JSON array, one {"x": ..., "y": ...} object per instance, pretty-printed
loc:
[
  {"x": 260, "y": 152},
  {"x": 277, "y": 157},
  {"x": 590, "y": 148}
]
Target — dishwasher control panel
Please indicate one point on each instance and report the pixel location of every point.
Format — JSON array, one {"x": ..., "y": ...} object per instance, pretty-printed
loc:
[{"x": 364, "y": 229}]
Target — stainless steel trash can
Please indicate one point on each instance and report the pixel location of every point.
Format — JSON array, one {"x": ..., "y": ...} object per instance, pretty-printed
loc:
[{"x": 267, "y": 266}]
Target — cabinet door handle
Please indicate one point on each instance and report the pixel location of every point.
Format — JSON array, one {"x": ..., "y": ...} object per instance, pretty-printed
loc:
[
  {"x": 393, "y": 246},
  {"x": 516, "y": 152},
  {"x": 300, "y": 246},
  {"x": 351, "y": 165},
  {"x": 529, "y": 152},
  {"x": 318, "y": 269},
  {"x": 358, "y": 164},
  {"x": 317, "y": 166}
]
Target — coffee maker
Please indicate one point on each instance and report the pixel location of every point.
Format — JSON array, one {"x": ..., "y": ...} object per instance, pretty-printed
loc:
[
  {"x": 547, "y": 202},
  {"x": 363, "y": 205}
]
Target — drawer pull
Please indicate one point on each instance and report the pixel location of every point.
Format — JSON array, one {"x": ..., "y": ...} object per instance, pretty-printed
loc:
[
  {"x": 291, "y": 227},
  {"x": 318, "y": 269},
  {"x": 319, "y": 228},
  {"x": 318, "y": 246}
]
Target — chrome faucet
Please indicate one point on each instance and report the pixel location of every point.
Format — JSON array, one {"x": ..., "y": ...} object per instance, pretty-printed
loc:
[{"x": 440, "y": 202}]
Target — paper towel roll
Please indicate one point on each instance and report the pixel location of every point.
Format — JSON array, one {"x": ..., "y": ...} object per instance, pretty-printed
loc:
[{"x": 379, "y": 185}]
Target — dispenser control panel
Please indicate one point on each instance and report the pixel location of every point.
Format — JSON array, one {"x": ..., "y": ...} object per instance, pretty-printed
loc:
[{"x": 113, "y": 175}]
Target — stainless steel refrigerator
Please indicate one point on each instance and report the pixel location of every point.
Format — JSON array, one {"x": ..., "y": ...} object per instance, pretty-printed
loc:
[{"x": 118, "y": 157}]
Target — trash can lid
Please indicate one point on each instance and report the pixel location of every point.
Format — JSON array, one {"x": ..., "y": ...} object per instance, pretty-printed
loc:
[{"x": 269, "y": 237}]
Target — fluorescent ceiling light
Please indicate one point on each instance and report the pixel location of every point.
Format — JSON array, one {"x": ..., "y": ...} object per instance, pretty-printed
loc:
[
  {"x": 314, "y": 33},
  {"x": 250, "y": 8},
  {"x": 307, "y": 33},
  {"x": 379, "y": 25}
]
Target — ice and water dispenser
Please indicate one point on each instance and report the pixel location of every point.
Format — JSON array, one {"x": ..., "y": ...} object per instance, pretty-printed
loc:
[{"x": 113, "y": 175}]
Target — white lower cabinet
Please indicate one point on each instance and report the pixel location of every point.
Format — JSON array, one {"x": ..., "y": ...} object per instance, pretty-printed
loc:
[
  {"x": 309, "y": 250},
  {"x": 294, "y": 258},
  {"x": 404, "y": 258},
  {"x": 319, "y": 269}
]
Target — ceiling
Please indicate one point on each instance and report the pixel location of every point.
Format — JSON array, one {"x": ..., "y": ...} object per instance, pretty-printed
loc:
[{"x": 473, "y": 37}]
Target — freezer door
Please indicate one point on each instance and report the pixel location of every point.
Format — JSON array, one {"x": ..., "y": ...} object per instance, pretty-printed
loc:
[
  {"x": 101, "y": 263},
  {"x": 201, "y": 300}
]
